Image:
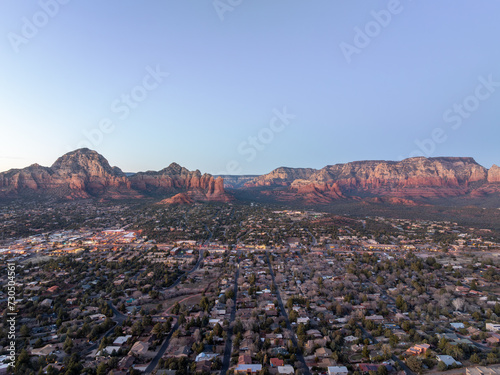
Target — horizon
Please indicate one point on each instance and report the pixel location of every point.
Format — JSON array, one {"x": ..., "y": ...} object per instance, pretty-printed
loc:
[
  {"x": 202, "y": 85},
  {"x": 250, "y": 174}
]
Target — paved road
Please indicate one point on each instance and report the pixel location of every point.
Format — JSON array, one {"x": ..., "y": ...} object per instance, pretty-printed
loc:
[
  {"x": 229, "y": 342},
  {"x": 315, "y": 243},
  {"x": 298, "y": 353},
  {"x": 162, "y": 350},
  {"x": 118, "y": 317},
  {"x": 179, "y": 279}
]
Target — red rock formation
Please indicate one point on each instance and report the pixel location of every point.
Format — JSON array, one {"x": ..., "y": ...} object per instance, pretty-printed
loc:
[
  {"x": 79, "y": 174},
  {"x": 401, "y": 182},
  {"x": 174, "y": 178},
  {"x": 494, "y": 174},
  {"x": 181, "y": 198},
  {"x": 281, "y": 177},
  {"x": 85, "y": 174}
]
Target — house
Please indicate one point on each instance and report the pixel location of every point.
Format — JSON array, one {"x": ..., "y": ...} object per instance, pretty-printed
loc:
[
  {"x": 110, "y": 349},
  {"x": 457, "y": 326},
  {"x": 203, "y": 366},
  {"x": 492, "y": 327},
  {"x": 287, "y": 369},
  {"x": 126, "y": 362},
  {"x": 244, "y": 359},
  {"x": 45, "y": 351},
  {"x": 276, "y": 362},
  {"x": 120, "y": 340},
  {"x": 367, "y": 367},
  {"x": 323, "y": 352},
  {"x": 52, "y": 289},
  {"x": 248, "y": 369},
  {"x": 182, "y": 351},
  {"x": 139, "y": 348},
  {"x": 448, "y": 360},
  {"x": 205, "y": 356},
  {"x": 482, "y": 370},
  {"x": 493, "y": 340},
  {"x": 337, "y": 370},
  {"x": 418, "y": 349},
  {"x": 375, "y": 318}
]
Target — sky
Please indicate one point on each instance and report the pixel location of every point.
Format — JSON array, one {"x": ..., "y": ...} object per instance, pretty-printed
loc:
[{"x": 243, "y": 87}]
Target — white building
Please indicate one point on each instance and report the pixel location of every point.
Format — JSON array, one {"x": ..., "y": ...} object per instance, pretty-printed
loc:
[
  {"x": 492, "y": 327},
  {"x": 337, "y": 370}
]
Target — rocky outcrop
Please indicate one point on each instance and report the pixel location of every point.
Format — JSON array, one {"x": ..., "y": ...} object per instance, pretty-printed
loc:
[
  {"x": 174, "y": 178},
  {"x": 85, "y": 174},
  {"x": 282, "y": 176},
  {"x": 404, "y": 182},
  {"x": 79, "y": 174},
  {"x": 235, "y": 181},
  {"x": 494, "y": 174},
  {"x": 181, "y": 198}
]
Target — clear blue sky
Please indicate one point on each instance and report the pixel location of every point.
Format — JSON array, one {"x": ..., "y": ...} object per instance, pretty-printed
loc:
[{"x": 64, "y": 71}]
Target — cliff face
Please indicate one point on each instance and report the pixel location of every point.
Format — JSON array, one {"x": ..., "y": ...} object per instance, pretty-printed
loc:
[
  {"x": 494, "y": 174},
  {"x": 404, "y": 181},
  {"x": 175, "y": 178},
  {"x": 281, "y": 177},
  {"x": 235, "y": 181},
  {"x": 79, "y": 174},
  {"x": 84, "y": 174}
]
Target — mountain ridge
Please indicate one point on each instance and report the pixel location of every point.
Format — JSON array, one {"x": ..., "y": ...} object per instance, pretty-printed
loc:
[
  {"x": 407, "y": 181},
  {"x": 84, "y": 173}
]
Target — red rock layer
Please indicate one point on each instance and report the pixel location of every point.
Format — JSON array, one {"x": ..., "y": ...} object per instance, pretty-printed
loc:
[
  {"x": 84, "y": 174},
  {"x": 401, "y": 182}
]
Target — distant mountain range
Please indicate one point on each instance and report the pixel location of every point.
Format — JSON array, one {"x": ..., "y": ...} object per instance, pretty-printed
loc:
[
  {"x": 411, "y": 181},
  {"x": 84, "y": 173}
]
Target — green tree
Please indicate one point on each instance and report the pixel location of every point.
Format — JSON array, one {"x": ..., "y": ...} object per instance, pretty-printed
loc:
[
  {"x": 414, "y": 364},
  {"x": 68, "y": 345},
  {"x": 442, "y": 366},
  {"x": 474, "y": 358},
  {"x": 102, "y": 368}
]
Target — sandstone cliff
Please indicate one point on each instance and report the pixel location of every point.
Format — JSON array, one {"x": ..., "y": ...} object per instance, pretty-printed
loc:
[
  {"x": 414, "y": 179},
  {"x": 84, "y": 173}
]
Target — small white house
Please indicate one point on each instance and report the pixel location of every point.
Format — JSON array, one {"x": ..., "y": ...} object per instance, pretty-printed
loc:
[
  {"x": 448, "y": 360},
  {"x": 287, "y": 369},
  {"x": 492, "y": 327},
  {"x": 457, "y": 326},
  {"x": 337, "y": 370}
]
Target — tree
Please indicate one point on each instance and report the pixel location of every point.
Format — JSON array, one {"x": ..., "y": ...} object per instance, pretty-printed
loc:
[
  {"x": 474, "y": 358},
  {"x": 442, "y": 366},
  {"x": 68, "y": 345},
  {"x": 24, "y": 331},
  {"x": 365, "y": 353},
  {"x": 176, "y": 308},
  {"x": 414, "y": 364},
  {"x": 386, "y": 349},
  {"x": 102, "y": 368},
  {"x": 157, "y": 329},
  {"x": 218, "y": 330},
  {"x": 491, "y": 358}
]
